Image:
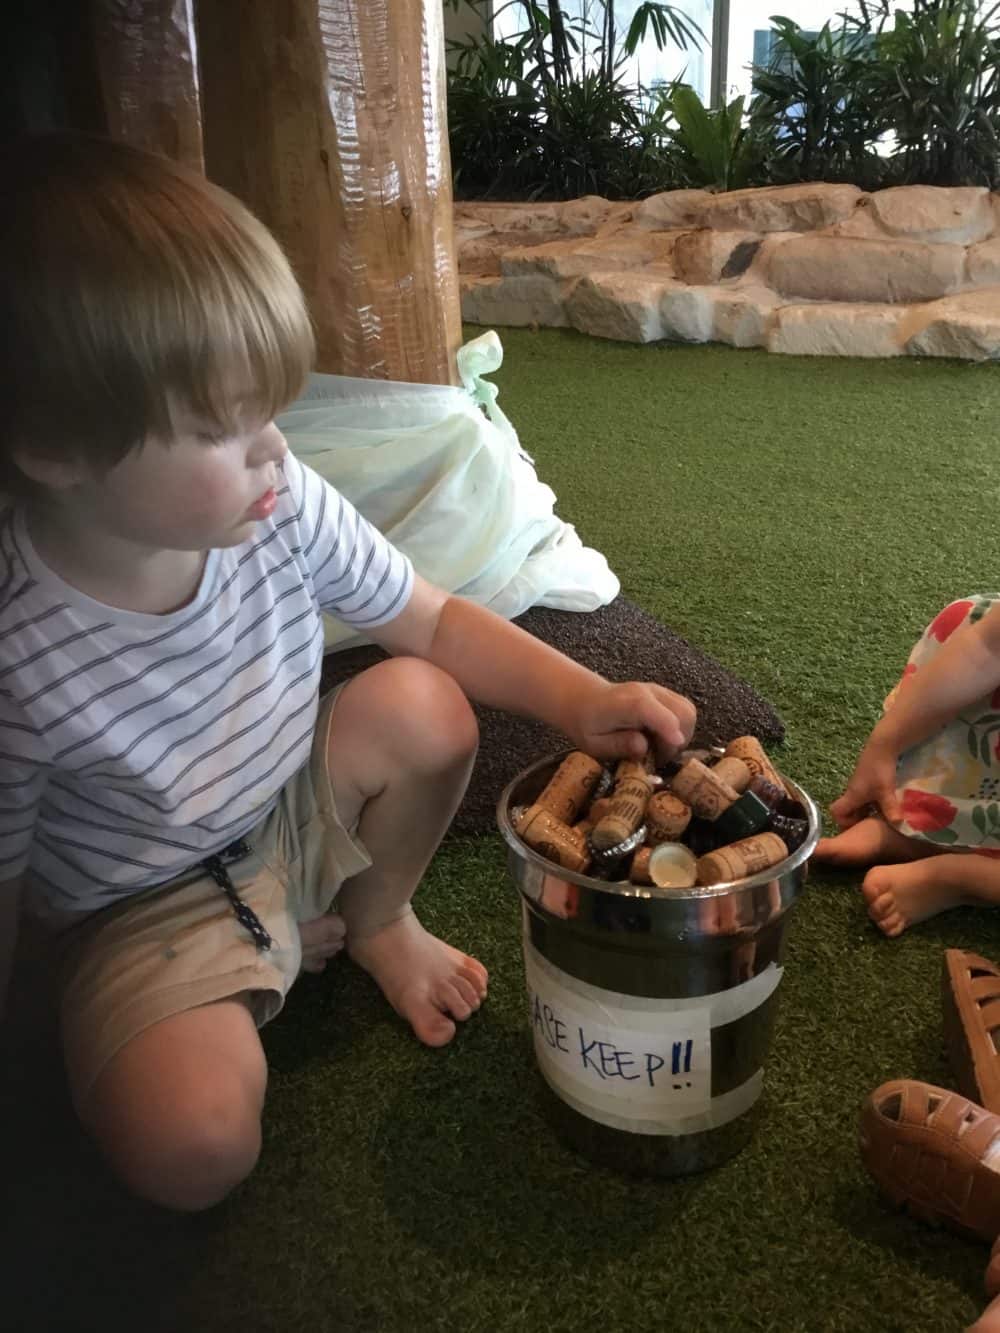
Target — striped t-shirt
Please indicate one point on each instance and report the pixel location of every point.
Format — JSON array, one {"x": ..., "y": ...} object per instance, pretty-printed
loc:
[{"x": 133, "y": 745}]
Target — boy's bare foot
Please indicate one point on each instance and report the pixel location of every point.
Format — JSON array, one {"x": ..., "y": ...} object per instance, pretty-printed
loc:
[
  {"x": 871, "y": 841},
  {"x": 901, "y": 895},
  {"x": 424, "y": 979},
  {"x": 322, "y": 938}
]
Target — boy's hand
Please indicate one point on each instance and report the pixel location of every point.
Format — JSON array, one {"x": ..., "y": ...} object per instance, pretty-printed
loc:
[
  {"x": 622, "y": 721},
  {"x": 873, "y": 782}
]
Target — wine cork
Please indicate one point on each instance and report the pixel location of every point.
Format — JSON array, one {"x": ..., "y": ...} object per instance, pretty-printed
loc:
[
  {"x": 553, "y": 839},
  {"x": 639, "y": 869},
  {"x": 667, "y": 816},
  {"x": 740, "y": 859},
  {"x": 598, "y": 809},
  {"x": 706, "y": 794},
  {"x": 771, "y": 794},
  {"x": 750, "y": 750},
  {"x": 570, "y": 786},
  {"x": 625, "y": 813},
  {"x": 640, "y": 769},
  {"x": 734, "y": 771}
]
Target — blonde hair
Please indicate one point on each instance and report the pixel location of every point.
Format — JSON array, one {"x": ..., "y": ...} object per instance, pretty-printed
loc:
[{"x": 128, "y": 285}]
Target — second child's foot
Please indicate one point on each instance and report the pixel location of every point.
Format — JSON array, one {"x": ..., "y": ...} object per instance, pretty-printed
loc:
[
  {"x": 322, "y": 938},
  {"x": 425, "y": 980},
  {"x": 901, "y": 895},
  {"x": 869, "y": 842}
]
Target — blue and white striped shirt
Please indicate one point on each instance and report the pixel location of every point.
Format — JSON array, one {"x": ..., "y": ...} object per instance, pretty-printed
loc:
[{"x": 133, "y": 745}]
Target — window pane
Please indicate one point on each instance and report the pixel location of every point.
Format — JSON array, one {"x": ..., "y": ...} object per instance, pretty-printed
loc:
[
  {"x": 648, "y": 66},
  {"x": 750, "y": 33}
]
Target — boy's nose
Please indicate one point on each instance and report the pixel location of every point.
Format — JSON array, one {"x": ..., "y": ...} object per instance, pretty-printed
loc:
[{"x": 270, "y": 446}]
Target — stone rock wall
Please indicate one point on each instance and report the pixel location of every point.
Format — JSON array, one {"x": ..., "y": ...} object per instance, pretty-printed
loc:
[{"x": 820, "y": 270}]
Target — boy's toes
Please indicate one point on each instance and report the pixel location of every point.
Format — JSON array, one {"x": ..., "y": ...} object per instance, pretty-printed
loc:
[
  {"x": 431, "y": 1026},
  {"x": 473, "y": 972},
  {"x": 467, "y": 993}
]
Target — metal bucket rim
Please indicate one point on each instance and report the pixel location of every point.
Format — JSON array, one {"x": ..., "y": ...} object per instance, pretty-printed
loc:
[{"x": 624, "y": 888}]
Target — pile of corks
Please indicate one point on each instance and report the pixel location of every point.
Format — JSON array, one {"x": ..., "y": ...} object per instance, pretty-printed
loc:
[{"x": 709, "y": 817}]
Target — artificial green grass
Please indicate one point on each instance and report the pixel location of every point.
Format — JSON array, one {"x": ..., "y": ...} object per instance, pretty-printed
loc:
[{"x": 801, "y": 520}]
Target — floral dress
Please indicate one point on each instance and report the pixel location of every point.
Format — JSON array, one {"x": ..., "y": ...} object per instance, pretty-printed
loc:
[{"x": 949, "y": 784}]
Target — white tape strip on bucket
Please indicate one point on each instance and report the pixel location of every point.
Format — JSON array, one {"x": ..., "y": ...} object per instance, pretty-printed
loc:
[{"x": 633, "y": 1062}]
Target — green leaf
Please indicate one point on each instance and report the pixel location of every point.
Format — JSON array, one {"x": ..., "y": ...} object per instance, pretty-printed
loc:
[
  {"x": 945, "y": 835},
  {"x": 979, "y": 818},
  {"x": 993, "y": 813},
  {"x": 986, "y": 752}
]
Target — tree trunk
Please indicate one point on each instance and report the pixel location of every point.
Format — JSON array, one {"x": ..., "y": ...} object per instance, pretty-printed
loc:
[{"x": 328, "y": 118}]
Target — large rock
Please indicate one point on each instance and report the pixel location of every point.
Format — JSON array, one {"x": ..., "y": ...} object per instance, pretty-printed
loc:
[
  {"x": 623, "y": 306},
  {"x": 836, "y": 329},
  {"x": 482, "y": 252},
  {"x": 966, "y": 326},
  {"x": 951, "y": 216},
  {"x": 724, "y": 313},
  {"x": 707, "y": 255},
  {"x": 687, "y": 313},
  {"x": 781, "y": 208},
  {"x": 509, "y": 217},
  {"x": 624, "y": 248},
  {"x": 982, "y": 263},
  {"x": 672, "y": 209},
  {"x": 834, "y": 268},
  {"x": 527, "y": 299},
  {"x": 743, "y": 315},
  {"x": 587, "y": 215}
]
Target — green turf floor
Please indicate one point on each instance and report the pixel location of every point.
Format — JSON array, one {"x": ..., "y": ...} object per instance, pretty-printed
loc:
[{"x": 801, "y": 520}]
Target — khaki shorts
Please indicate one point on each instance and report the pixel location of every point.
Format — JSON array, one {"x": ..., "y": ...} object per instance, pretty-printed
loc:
[{"x": 180, "y": 946}]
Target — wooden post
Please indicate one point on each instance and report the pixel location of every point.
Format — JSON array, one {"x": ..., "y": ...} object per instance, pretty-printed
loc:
[
  {"x": 327, "y": 117},
  {"x": 147, "y": 75}
]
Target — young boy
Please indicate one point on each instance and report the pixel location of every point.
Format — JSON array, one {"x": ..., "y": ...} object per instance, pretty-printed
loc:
[{"x": 181, "y": 807}]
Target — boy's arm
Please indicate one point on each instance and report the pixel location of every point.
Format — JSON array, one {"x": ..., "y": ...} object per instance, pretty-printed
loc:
[
  {"x": 498, "y": 664},
  {"x": 10, "y": 900},
  {"x": 966, "y": 668}
]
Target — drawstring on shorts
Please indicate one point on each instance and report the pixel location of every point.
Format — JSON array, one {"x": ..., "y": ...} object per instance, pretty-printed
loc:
[{"x": 217, "y": 867}]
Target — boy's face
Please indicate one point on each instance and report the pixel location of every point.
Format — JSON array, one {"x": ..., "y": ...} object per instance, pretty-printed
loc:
[{"x": 194, "y": 492}]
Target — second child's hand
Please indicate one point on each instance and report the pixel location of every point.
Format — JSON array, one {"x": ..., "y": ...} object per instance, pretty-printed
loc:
[{"x": 873, "y": 783}]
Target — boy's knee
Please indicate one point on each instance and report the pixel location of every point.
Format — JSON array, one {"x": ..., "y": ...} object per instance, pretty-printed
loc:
[
  {"x": 435, "y": 719},
  {"x": 189, "y": 1152},
  {"x": 200, "y": 1160}
]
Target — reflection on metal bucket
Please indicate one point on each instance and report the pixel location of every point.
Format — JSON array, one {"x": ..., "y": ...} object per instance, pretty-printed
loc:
[{"x": 651, "y": 1009}]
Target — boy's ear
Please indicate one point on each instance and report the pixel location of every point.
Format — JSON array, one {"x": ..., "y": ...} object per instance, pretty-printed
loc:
[{"x": 55, "y": 474}]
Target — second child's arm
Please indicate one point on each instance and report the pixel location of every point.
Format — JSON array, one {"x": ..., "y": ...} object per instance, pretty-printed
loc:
[
  {"x": 498, "y": 664},
  {"x": 966, "y": 668}
]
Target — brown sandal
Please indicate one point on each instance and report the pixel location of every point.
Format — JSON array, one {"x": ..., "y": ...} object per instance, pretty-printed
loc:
[
  {"x": 935, "y": 1153},
  {"x": 970, "y": 997}
]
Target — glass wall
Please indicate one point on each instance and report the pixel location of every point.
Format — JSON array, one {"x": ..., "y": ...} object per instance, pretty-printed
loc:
[
  {"x": 648, "y": 66},
  {"x": 751, "y": 35}
]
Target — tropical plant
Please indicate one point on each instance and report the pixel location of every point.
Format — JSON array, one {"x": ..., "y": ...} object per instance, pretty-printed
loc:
[
  {"x": 809, "y": 98},
  {"x": 547, "y": 112},
  {"x": 935, "y": 86},
  {"x": 713, "y": 146}
]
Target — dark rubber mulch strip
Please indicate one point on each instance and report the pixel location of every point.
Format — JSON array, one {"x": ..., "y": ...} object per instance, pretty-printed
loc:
[{"x": 623, "y": 643}]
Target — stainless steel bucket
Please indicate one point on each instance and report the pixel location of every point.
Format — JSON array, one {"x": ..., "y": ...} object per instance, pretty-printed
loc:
[{"x": 651, "y": 1009}]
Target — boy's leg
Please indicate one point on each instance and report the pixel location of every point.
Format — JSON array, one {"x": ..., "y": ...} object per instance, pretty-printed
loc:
[
  {"x": 177, "y": 1110},
  {"x": 402, "y": 744}
]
